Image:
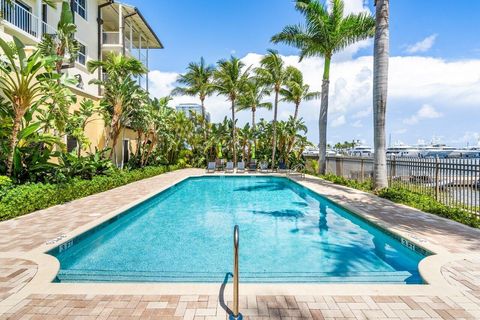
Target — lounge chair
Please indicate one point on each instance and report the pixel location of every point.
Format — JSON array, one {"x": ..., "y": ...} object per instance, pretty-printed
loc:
[
  {"x": 282, "y": 167},
  {"x": 229, "y": 167},
  {"x": 252, "y": 166},
  {"x": 211, "y": 167},
  {"x": 240, "y": 167},
  {"x": 263, "y": 167},
  {"x": 219, "y": 164}
]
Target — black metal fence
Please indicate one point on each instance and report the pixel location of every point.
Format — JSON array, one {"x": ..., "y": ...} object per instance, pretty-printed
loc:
[{"x": 453, "y": 182}]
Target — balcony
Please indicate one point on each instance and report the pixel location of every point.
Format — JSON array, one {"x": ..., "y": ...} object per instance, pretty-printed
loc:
[
  {"x": 23, "y": 23},
  {"x": 111, "y": 42}
]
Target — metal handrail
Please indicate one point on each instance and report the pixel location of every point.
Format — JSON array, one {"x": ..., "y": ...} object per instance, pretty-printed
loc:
[
  {"x": 236, "y": 240},
  {"x": 298, "y": 169}
]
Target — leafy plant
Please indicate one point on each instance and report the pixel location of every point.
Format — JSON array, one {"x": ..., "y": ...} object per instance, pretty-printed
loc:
[
  {"x": 86, "y": 167},
  {"x": 62, "y": 44},
  {"x": 121, "y": 92},
  {"x": 27, "y": 198},
  {"x": 21, "y": 84}
]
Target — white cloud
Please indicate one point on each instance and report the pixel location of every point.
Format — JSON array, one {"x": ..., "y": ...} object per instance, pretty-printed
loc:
[
  {"x": 353, "y": 6},
  {"x": 425, "y": 112},
  {"x": 161, "y": 83},
  {"x": 471, "y": 138},
  {"x": 450, "y": 86},
  {"x": 357, "y": 124},
  {"x": 339, "y": 121},
  {"x": 423, "y": 45}
]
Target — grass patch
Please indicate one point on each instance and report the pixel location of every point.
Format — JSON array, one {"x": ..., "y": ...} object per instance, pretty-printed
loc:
[{"x": 17, "y": 200}]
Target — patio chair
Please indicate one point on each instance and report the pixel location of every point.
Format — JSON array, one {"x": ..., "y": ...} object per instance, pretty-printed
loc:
[
  {"x": 211, "y": 167},
  {"x": 240, "y": 167},
  {"x": 252, "y": 166},
  {"x": 282, "y": 167},
  {"x": 229, "y": 167},
  {"x": 263, "y": 167},
  {"x": 219, "y": 164}
]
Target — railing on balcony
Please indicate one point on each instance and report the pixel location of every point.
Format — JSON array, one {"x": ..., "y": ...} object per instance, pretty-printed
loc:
[
  {"x": 111, "y": 37},
  {"x": 23, "y": 19},
  {"x": 19, "y": 17}
]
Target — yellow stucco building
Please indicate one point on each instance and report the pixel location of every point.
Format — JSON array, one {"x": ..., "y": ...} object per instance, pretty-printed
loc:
[{"x": 103, "y": 26}]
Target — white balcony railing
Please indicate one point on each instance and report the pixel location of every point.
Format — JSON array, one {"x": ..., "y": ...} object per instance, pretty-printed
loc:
[
  {"x": 23, "y": 19},
  {"x": 113, "y": 38},
  {"x": 19, "y": 17}
]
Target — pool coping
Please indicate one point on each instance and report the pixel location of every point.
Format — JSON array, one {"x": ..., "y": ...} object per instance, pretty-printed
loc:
[{"x": 48, "y": 266}]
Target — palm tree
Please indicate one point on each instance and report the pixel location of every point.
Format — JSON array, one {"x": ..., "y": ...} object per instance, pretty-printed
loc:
[
  {"x": 120, "y": 89},
  {"x": 273, "y": 73},
  {"x": 325, "y": 33},
  {"x": 63, "y": 42},
  {"x": 295, "y": 91},
  {"x": 252, "y": 98},
  {"x": 22, "y": 84},
  {"x": 380, "y": 84},
  {"x": 230, "y": 79},
  {"x": 197, "y": 81}
]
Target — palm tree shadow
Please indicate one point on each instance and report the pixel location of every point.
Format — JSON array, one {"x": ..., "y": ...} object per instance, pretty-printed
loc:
[{"x": 221, "y": 294}]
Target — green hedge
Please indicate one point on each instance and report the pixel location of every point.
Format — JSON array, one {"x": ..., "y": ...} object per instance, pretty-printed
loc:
[
  {"x": 19, "y": 200},
  {"x": 429, "y": 204},
  {"x": 410, "y": 198}
]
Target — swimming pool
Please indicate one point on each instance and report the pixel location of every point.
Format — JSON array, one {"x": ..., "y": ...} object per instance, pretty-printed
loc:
[{"x": 288, "y": 233}]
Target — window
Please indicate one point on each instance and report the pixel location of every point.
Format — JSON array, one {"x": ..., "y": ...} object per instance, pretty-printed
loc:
[
  {"x": 80, "y": 7},
  {"x": 126, "y": 154},
  {"x": 82, "y": 54},
  {"x": 71, "y": 143}
]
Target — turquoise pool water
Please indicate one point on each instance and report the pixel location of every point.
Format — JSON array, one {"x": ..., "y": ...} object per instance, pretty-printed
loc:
[{"x": 287, "y": 234}]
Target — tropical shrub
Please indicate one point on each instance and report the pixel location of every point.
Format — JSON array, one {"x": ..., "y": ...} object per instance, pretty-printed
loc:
[
  {"x": 429, "y": 204},
  {"x": 86, "y": 167},
  {"x": 26, "y": 198},
  {"x": 410, "y": 198},
  {"x": 5, "y": 184}
]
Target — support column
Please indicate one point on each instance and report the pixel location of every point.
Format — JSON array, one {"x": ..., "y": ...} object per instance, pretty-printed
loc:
[
  {"x": 131, "y": 38},
  {"x": 121, "y": 27},
  {"x": 39, "y": 5},
  {"x": 148, "y": 70},
  {"x": 140, "y": 57}
]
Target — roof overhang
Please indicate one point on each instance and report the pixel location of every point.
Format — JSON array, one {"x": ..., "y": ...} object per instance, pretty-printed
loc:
[{"x": 134, "y": 16}]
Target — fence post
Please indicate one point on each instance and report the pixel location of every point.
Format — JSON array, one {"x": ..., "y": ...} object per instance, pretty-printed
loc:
[
  {"x": 362, "y": 171},
  {"x": 393, "y": 169},
  {"x": 437, "y": 174}
]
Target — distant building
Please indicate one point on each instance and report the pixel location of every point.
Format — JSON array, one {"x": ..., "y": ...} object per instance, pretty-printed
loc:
[{"x": 195, "y": 107}]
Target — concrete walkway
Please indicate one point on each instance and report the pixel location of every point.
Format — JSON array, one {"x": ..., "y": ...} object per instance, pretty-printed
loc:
[{"x": 26, "y": 291}]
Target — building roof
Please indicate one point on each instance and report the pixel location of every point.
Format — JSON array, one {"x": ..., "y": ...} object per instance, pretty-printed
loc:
[{"x": 137, "y": 19}]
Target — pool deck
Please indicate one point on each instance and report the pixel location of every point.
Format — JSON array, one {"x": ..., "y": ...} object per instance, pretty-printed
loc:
[{"x": 26, "y": 291}]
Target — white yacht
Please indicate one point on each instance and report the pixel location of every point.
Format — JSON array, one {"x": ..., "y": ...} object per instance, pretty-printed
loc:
[
  {"x": 361, "y": 151},
  {"x": 403, "y": 150},
  {"x": 310, "y": 152}
]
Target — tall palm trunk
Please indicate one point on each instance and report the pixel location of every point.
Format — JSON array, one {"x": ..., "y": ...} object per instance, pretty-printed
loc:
[
  {"x": 253, "y": 118},
  {"x": 13, "y": 140},
  {"x": 254, "y": 127},
  {"x": 380, "y": 86},
  {"x": 295, "y": 115},
  {"x": 322, "y": 119},
  {"x": 202, "y": 102},
  {"x": 204, "y": 123},
  {"x": 234, "y": 133},
  {"x": 115, "y": 130},
  {"x": 274, "y": 142}
]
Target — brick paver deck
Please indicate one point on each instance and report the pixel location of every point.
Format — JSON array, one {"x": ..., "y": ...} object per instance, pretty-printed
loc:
[{"x": 27, "y": 233}]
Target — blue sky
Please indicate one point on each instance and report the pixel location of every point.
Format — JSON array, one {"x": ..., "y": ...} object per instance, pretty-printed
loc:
[{"x": 435, "y": 65}]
